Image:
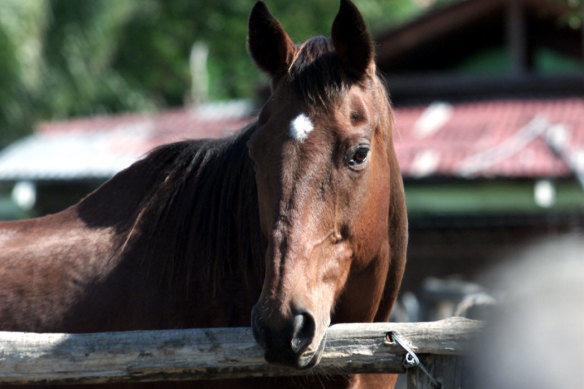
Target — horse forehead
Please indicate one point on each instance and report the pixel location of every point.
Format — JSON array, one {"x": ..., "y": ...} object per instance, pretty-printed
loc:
[
  {"x": 329, "y": 125},
  {"x": 300, "y": 127},
  {"x": 335, "y": 119}
]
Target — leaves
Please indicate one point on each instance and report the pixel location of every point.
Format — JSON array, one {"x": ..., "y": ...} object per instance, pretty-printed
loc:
[{"x": 62, "y": 58}]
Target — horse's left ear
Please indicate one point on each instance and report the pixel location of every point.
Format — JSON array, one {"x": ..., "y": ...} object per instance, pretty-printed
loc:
[
  {"x": 269, "y": 45},
  {"x": 351, "y": 39}
]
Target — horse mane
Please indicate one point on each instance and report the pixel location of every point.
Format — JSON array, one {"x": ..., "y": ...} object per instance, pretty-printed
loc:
[
  {"x": 317, "y": 74},
  {"x": 191, "y": 215}
]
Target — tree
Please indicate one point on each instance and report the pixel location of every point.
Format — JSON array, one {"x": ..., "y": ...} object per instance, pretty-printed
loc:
[
  {"x": 62, "y": 58},
  {"x": 574, "y": 13},
  {"x": 22, "y": 23}
]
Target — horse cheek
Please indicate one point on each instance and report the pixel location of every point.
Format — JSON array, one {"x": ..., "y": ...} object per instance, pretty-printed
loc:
[
  {"x": 370, "y": 225},
  {"x": 343, "y": 255}
]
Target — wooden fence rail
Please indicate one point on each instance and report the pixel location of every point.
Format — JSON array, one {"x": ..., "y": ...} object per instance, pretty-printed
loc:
[{"x": 193, "y": 354}]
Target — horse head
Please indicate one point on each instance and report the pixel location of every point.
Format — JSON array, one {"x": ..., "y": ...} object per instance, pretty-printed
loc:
[{"x": 324, "y": 164}]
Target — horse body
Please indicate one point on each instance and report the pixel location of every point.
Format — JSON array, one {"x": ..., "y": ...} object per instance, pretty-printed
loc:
[
  {"x": 301, "y": 217},
  {"x": 111, "y": 262},
  {"x": 36, "y": 263},
  {"x": 26, "y": 281}
]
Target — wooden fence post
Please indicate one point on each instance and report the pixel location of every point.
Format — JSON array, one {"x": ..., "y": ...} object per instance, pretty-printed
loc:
[{"x": 216, "y": 353}]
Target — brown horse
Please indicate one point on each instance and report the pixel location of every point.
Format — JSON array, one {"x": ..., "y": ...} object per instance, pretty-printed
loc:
[{"x": 301, "y": 214}]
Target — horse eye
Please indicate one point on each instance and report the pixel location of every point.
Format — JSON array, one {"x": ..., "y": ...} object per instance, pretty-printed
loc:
[{"x": 359, "y": 156}]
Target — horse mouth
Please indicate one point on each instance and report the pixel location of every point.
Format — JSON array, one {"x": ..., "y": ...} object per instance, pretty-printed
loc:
[{"x": 306, "y": 360}]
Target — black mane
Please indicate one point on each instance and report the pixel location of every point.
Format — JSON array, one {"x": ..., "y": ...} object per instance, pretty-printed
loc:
[
  {"x": 193, "y": 217},
  {"x": 317, "y": 74}
]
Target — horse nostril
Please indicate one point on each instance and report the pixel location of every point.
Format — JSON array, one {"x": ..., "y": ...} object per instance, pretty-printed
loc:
[
  {"x": 302, "y": 332},
  {"x": 285, "y": 338}
]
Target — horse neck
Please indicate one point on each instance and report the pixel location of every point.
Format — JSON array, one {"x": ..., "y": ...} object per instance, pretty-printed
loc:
[
  {"x": 188, "y": 216},
  {"x": 216, "y": 218}
]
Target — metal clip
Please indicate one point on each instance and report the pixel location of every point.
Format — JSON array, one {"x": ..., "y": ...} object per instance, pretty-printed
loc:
[{"x": 411, "y": 359}]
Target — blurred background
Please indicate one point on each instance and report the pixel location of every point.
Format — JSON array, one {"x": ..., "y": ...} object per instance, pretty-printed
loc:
[
  {"x": 488, "y": 98},
  {"x": 63, "y": 58}
]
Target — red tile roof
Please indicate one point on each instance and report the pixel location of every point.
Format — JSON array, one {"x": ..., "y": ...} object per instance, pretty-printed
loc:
[
  {"x": 490, "y": 138},
  {"x": 481, "y": 139},
  {"x": 99, "y": 147},
  {"x": 211, "y": 121}
]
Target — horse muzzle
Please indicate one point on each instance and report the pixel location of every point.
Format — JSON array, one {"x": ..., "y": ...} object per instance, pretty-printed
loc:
[{"x": 289, "y": 341}]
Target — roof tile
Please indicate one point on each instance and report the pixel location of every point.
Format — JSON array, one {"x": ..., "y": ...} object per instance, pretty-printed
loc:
[{"x": 494, "y": 135}]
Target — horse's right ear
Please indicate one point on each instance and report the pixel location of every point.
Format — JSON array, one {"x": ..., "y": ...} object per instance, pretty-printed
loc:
[
  {"x": 352, "y": 41},
  {"x": 270, "y": 47}
]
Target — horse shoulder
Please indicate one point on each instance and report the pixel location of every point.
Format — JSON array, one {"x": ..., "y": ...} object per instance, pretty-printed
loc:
[{"x": 45, "y": 265}]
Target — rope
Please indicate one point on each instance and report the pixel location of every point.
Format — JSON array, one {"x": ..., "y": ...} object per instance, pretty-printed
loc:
[{"x": 411, "y": 360}]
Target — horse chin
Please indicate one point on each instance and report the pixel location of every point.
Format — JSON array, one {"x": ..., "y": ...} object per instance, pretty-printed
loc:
[
  {"x": 306, "y": 360},
  {"x": 310, "y": 359}
]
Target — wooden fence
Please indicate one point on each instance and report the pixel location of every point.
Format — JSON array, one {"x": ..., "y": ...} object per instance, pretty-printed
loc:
[{"x": 214, "y": 353}]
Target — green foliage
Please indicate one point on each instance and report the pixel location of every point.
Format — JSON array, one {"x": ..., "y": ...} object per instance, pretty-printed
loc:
[
  {"x": 163, "y": 33},
  {"x": 80, "y": 47},
  {"x": 63, "y": 58},
  {"x": 22, "y": 23},
  {"x": 573, "y": 16}
]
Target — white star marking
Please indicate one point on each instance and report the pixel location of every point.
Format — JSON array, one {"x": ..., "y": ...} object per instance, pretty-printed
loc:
[{"x": 300, "y": 127}]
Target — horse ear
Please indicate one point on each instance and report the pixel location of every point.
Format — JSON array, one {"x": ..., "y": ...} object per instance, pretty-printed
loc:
[
  {"x": 351, "y": 39},
  {"x": 269, "y": 45}
]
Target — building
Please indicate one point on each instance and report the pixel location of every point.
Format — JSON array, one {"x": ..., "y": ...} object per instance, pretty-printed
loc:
[
  {"x": 489, "y": 98},
  {"x": 65, "y": 160},
  {"x": 489, "y": 109}
]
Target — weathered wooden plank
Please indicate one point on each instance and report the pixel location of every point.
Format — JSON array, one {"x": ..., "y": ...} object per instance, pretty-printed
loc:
[{"x": 214, "y": 353}]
